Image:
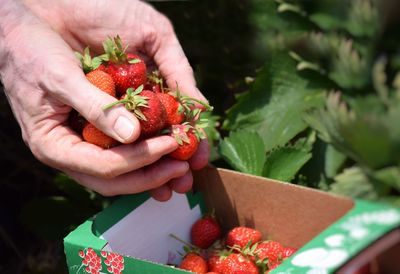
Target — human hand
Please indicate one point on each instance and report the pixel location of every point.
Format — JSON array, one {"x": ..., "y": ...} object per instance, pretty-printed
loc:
[{"x": 40, "y": 94}]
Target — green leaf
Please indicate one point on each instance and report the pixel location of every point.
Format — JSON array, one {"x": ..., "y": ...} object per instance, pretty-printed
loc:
[
  {"x": 334, "y": 160},
  {"x": 275, "y": 102},
  {"x": 244, "y": 151},
  {"x": 283, "y": 163},
  {"x": 371, "y": 139},
  {"x": 327, "y": 21},
  {"x": 389, "y": 176},
  {"x": 353, "y": 183}
]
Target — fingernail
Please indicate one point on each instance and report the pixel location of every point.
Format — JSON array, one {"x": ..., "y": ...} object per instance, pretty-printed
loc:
[{"x": 124, "y": 128}]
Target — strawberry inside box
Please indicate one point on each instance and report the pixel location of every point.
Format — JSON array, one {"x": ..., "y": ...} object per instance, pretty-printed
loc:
[{"x": 333, "y": 234}]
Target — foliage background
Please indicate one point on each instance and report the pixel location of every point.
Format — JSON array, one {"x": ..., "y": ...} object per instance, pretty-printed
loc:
[{"x": 239, "y": 51}]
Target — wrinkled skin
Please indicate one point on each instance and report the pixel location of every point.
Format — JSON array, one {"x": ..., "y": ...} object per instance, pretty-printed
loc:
[{"x": 43, "y": 80}]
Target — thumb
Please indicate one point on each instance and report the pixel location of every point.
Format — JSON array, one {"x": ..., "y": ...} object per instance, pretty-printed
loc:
[{"x": 117, "y": 122}]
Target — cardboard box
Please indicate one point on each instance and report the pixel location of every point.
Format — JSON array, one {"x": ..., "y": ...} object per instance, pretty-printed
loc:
[{"x": 335, "y": 234}]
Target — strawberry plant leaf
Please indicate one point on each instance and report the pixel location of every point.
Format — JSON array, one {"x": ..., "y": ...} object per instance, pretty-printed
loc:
[
  {"x": 327, "y": 21},
  {"x": 389, "y": 176},
  {"x": 334, "y": 160},
  {"x": 371, "y": 139},
  {"x": 354, "y": 183},
  {"x": 244, "y": 150},
  {"x": 275, "y": 102},
  {"x": 283, "y": 163}
]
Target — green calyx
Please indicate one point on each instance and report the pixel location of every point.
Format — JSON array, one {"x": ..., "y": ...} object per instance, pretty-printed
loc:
[
  {"x": 115, "y": 52},
  {"x": 88, "y": 63},
  {"x": 133, "y": 101},
  {"x": 156, "y": 78},
  {"x": 187, "y": 105}
]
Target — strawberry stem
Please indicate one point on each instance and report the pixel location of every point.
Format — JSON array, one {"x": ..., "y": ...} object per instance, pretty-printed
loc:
[
  {"x": 124, "y": 101},
  {"x": 184, "y": 242},
  {"x": 187, "y": 98}
]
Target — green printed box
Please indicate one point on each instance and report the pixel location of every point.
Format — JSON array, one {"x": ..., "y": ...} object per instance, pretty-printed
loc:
[{"x": 334, "y": 234}]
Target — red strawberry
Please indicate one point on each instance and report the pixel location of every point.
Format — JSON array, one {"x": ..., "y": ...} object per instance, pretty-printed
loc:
[
  {"x": 147, "y": 107},
  {"x": 241, "y": 236},
  {"x": 194, "y": 262},
  {"x": 127, "y": 69},
  {"x": 174, "y": 110},
  {"x": 90, "y": 133},
  {"x": 215, "y": 262},
  {"x": 237, "y": 263},
  {"x": 270, "y": 250},
  {"x": 187, "y": 139},
  {"x": 288, "y": 251},
  {"x": 95, "y": 136},
  {"x": 205, "y": 232},
  {"x": 102, "y": 80}
]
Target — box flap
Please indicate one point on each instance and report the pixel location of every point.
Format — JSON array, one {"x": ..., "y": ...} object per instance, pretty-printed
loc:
[{"x": 358, "y": 229}]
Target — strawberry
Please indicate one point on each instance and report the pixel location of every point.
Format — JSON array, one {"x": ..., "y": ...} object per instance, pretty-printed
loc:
[
  {"x": 205, "y": 231},
  {"x": 102, "y": 81},
  {"x": 128, "y": 70},
  {"x": 95, "y": 136},
  {"x": 270, "y": 250},
  {"x": 215, "y": 262},
  {"x": 173, "y": 108},
  {"x": 147, "y": 108},
  {"x": 194, "y": 262},
  {"x": 187, "y": 139},
  {"x": 241, "y": 236},
  {"x": 90, "y": 133},
  {"x": 237, "y": 263},
  {"x": 288, "y": 251}
]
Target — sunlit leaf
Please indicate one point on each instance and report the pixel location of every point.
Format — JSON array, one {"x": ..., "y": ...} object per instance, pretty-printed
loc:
[
  {"x": 275, "y": 102},
  {"x": 244, "y": 150}
]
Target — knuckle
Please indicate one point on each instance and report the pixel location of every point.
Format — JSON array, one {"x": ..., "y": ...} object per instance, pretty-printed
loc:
[
  {"x": 150, "y": 35},
  {"x": 108, "y": 172},
  {"x": 36, "y": 145}
]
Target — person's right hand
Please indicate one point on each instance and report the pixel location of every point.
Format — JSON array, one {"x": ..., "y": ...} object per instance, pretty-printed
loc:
[{"x": 43, "y": 80}]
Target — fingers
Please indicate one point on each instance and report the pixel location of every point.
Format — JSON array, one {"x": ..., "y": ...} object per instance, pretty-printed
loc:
[
  {"x": 201, "y": 156},
  {"x": 182, "y": 184},
  {"x": 162, "y": 193},
  {"x": 149, "y": 177},
  {"x": 89, "y": 101},
  {"x": 63, "y": 149}
]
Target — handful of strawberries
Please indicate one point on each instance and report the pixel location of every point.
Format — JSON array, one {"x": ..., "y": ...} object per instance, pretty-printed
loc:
[
  {"x": 241, "y": 250},
  {"x": 159, "y": 109}
]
